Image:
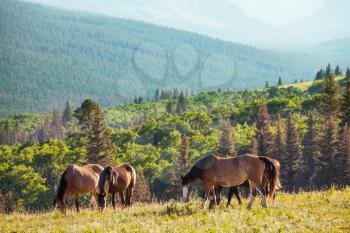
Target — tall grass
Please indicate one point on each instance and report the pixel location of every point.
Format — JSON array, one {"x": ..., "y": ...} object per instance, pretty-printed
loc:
[{"x": 327, "y": 211}]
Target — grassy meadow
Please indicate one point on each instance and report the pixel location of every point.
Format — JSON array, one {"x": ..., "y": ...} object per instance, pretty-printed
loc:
[{"x": 327, "y": 211}]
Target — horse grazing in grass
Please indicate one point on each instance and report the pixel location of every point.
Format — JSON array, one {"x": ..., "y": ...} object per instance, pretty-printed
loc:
[
  {"x": 235, "y": 189},
  {"x": 116, "y": 180},
  {"x": 227, "y": 172},
  {"x": 75, "y": 181}
]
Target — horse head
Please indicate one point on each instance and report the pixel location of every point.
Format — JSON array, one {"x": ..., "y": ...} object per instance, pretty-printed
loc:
[
  {"x": 107, "y": 181},
  {"x": 186, "y": 187}
]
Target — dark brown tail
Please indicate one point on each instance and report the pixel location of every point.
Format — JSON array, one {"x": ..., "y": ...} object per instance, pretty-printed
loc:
[
  {"x": 271, "y": 175},
  {"x": 61, "y": 188}
]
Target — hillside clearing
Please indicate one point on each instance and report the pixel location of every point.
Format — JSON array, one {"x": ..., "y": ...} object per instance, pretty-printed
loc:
[{"x": 326, "y": 211}]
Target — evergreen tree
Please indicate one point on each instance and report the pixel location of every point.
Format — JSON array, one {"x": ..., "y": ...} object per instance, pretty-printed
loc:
[
  {"x": 345, "y": 155},
  {"x": 329, "y": 145},
  {"x": 141, "y": 190},
  {"x": 267, "y": 84},
  {"x": 56, "y": 125},
  {"x": 337, "y": 70},
  {"x": 279, "y": 147},
  {"x": 329, "y": 70},
  {"x": 253, "y": 148},
  {"x": 311, "y": 152},
  {"x": 279, "y": 83},
  {"x": 263, "y": 133},
  {"x": 226, "y": 143},
  {"x": 173, "y": 187},
  {"x": 156, "y": 95},
  {"x": 100, "y": 148},
  {"x": 329, "y": 97},
  {"x": 170, "y": 107},
  {"x": 320, "y": 75},
  {"x": 183, "y": 159},
  {"x": 343, "y": 160},
  {"x": 176, "y": 93},
  {"x": 139, "y": 100},
  {"x": 181, "y": 104},
  {"x": 344, "y": 105},
  {"x": 85, "y": 113},
  {"x": 293, "y": 156},
  {"x": 347, "y": 75},
  {"x": 136, "y": 100},
  {"x": 67, "y": 114}
]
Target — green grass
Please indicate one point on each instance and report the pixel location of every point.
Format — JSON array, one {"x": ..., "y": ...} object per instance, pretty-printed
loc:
[
  {"x": 306, "y": 85},
  {"x": 326, "y": 211}
]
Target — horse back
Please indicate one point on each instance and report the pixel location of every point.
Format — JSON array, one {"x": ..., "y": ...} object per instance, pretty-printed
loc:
[
  {"x": 126, "y": 176},
  {"x": 81, "y": 179}
]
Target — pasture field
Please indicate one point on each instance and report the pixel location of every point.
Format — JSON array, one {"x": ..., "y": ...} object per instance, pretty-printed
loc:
[{"x": 327, "y": 211}]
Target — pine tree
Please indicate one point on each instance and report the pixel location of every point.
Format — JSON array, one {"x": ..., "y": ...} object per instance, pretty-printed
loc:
[
  {"x": 136, "y": 100},
  {"x": 293, "y": 156},
  {"x": 267, "y": 84},
  {"x": 344, "y": 105},
  {"x": 311, "y": 152},
  {"x": 139, "y": 100},
  {"x": 184, "y": 158},
  {"x": 170, "y": 107},
  {"x": 85, "y": 113},
  {"x": 279, "y": 147},
  {"x": 56, "y": 125},
  {"x": 279, "y": 83},
  {"x": 67, "y": 114},
  {"x": 329, "y": 145},
  {"x": 329, "y": 97},
  {"x": 263, "y": 135},
  {"x": 345, "y": 154},
  {"x": 173, "y": 187},
  {"x": 156, "y": 95},
  {"x": 181, "y": 104},
  {"x": 329, "y": 70},
  {"x": 226, "y": 143},
  {"x": 347, "y": 75},
  {"x": 337, "y": 70},
  {"x": 141, "y": 190},
  {"x": 320, "y": 75},
  {"x": 100, "y": 148},
  {"x": 253, "y": 148}
]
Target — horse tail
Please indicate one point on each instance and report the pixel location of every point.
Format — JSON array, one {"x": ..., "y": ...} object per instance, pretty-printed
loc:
[
  {"x": 61, "y": 187},
  {"x": 133, "y": 175},
  {"x": 271, "y": 175}
]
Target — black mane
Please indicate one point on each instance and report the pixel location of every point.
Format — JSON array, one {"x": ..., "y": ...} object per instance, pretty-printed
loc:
[{"x": 101, "y": 183}]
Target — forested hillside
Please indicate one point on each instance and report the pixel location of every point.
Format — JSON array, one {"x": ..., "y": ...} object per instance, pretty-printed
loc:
[
  {"x": 306, "y": 129},
  {"x": 49, "y": 55}
]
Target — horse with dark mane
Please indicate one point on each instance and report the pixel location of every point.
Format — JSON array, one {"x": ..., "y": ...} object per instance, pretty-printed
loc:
[
  {"x": 116, "y": 179},
  {"x": 75, "y": 181},
  {"x": 235, "y": 190},
  {"x": 227, "y": 172}
]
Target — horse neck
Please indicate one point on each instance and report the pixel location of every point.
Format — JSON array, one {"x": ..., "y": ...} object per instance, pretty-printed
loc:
[{"x": 102, "y": 181}]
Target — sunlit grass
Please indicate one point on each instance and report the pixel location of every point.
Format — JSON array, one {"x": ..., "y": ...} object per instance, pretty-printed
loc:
[
  {"x": 305, "y": 85},
  {"x": 327, "y": 211}
]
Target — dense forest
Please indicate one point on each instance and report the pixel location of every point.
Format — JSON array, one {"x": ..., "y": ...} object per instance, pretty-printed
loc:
[
  {"x": 47, "y": 54},
  {"x": 304, "y": 125}
]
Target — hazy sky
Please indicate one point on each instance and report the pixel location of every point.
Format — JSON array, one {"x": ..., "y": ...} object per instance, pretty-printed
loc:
[
  {"x": 279, "y": 12},
  {"x": 256, "y": 22}
]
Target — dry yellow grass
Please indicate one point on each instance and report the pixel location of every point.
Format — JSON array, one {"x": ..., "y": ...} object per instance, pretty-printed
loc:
[{"x": 327, "y": 211}]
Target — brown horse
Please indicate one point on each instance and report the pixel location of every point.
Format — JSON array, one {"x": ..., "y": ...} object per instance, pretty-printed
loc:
[
  {"x": 235, "y": 189},
  {"x": 115, "y": 180},
  {"x": 227, "y": 172},
  {"x": 75, "y": 181}
]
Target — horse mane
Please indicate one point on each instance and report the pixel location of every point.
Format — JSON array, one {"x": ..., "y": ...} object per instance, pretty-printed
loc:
[
  {"x": 102, "y": 181},
  {"x": 200, "y": 166}
]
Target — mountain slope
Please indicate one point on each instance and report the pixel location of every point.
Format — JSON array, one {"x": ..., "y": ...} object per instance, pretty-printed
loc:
[{"x": 49, "y": 55}]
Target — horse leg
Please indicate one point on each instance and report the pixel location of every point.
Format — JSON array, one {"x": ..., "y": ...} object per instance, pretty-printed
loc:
[
  {"x": 121, "y": 195},
  {"x": 236, "y": 192},
  {"x": 207, "y": 190},
  {"x": 252, "y": 195},
  {"x": 262, "y": 192},
  {"x": 113, "y": 200},
  {"x": 129, "y": 193},
  {"x": 218, "y": 190},
  {"x": 94, "y": 199},
  {"x": 212, "y": 199},
  {"x": 77, "y": 202}
]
